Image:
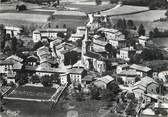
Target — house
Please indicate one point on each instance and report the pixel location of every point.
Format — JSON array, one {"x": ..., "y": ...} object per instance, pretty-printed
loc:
[
  {"x": 13, "y": 31},
  {"x": 128, "y": 76},
  {"x": 49, "y": 33},
  {"x": 32, "y": 60},
  {"x": 162, "y": 108},
  {"x": 126, "y": 53},
  {"x": 103, "y": 81},
  {"x": 63, "y": 79},
  {"x": 118, "y": 43},
  {"x": 94, "y": 61},
  {"x": 80, "y": 30},
  {"x": 141, "y": 70},
  {"x": 99, "y": 45},
  {"x": 14, "y": 58},
  {"x": 75, "y": 37},
  {"x": 76, "y": 75},
  {"x": 148, "y": 113},
  {"x": 7, "y": 68},
  {"x": 122, "y": 67},
  {"x": 146, "y": 85},
  {"x": 142, "y": 40},
  {"x": 111, "y": 34}
]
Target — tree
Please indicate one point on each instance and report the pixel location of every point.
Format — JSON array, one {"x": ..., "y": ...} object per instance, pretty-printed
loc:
[
  {"x": 113, "y": 87},
  {"x": 35, "y": 79},
  {"x": 55, "y": 78},
  {"x": 141, "y": 30},
  {"x": 2, "y": 37},
  {"x": 98, "y": 2},
  {"x": 21, "y": 7},
  {"x": 47, "y": 81},
  {"x": 131, "y": 96},
  {"x": 112, "y": 51},
  {"x": 108, "y": 95},
  {"x": 151, "y": 54},
  {"x": 21, "y": 78},
  {"x": 60, "y": 34},
  {"x": 166, "y": 13},
  {"x": 130, "y": 24},
  {"x": 95, "y": 92},
  {"x": 37, "y": 45},
  {"x": 64, "y": 26}
]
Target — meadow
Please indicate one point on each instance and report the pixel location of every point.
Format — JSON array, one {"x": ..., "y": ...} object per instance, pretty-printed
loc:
[{"x": 33, "y": 92}]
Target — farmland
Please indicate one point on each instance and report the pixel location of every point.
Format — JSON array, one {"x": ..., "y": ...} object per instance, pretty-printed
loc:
[
  {"x": 126, "y": 9},
  {"x": 33, "y": 92}
]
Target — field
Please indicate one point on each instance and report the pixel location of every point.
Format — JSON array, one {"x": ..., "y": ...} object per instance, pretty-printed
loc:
[
  {"x": 24, "y": 17},
  {"x": 126, "y": 9},
  {"x": 33, "y": 92}
]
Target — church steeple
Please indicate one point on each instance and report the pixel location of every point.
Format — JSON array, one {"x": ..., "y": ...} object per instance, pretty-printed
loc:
[{"x": 84, "y": 42}]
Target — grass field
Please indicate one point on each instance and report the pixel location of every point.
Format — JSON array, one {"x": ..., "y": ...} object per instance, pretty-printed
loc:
[
  {"x": 24, "y": 17},
  {"x": 33, "y": 92},
  {"x": 126, "y": 9}
]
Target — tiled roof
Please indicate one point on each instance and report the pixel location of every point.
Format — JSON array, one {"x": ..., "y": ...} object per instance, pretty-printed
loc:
[
  {"x": 145, "y": 82},
  {"x": 53, "y": 30},
  {"x": 106, "y": 79},
  {"x": 76, "y": 70},
  {"x": 14, "y": 57},
  {"x": 6, "y": 62},
  {"x": 140, "y": 68},
  {"x": 128, "y": 73},
  {"x": 99, "y": 42}
]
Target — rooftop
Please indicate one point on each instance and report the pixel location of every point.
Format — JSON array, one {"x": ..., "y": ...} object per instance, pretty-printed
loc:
[
  {"x": 99, "y": 42},
  {"x": 128, "y": 49},
  {"x": 128, "y": 73},
  {"x": 111, "y": 30},
  {"x": 145, "y": 82},
  {"x": 140, "y": 68},
  {"x": 6, "y": 62},
  {"x": 76, "y": 71},
  {"x": 143, "y": 37},
  {"x": 53, "y": 30},
  {"x": 106, "y": 79}
]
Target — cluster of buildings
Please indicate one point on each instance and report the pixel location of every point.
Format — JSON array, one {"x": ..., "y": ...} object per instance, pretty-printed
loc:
[{"x": 48, "y": 60}]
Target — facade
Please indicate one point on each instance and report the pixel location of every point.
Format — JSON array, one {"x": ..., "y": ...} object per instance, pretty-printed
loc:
[
  {"x": 126, "y": 53},
  {"x": 129, "y": 77},
  {"x": 76, "y": 75},
  {"x": 81, "y": 30},
  {"x": 13, "y": 31},
  {"x": 118, "y": 43},
  {"x": 142, "y": 40},
  {"x": 63, "y": 79},
  {"x": 7, "y": 68},
  {"x": 75, "y": 37},
  {"x": 99, "y": 45},
  {"x": 122, "y": 67},
  {"x": 49, "y": 33}
]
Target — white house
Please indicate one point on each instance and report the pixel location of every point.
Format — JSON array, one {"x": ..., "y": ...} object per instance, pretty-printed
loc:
[
  {"x": 142, "y": 40},
  {"x": 75, "y": 37},
  {"x": 81, "y": 30},
  {"x": 118, "y": 43},
  {"x": 15, "y": 30},
  {"x": 111, "y": 33},
  {"x": 63, "y": 79},
  {"x": 122, "y": 67},
  {"x": 76, "y": 75},
  {"x": 99, "y": 45},
  {"x": 126, "y": 53},
  {"x": 49, "y": 33}
]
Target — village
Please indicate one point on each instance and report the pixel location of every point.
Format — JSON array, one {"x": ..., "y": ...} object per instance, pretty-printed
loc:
[{"x": 113, "y": 65}]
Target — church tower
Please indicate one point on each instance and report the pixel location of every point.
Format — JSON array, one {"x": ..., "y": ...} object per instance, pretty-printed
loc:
[{"x": 84, "y": 42}]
